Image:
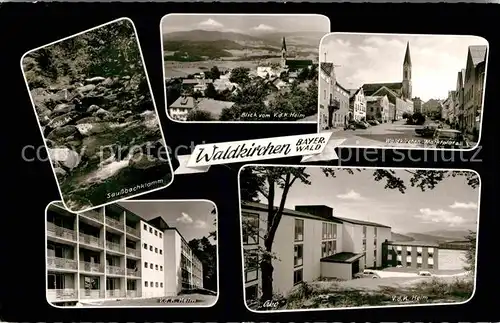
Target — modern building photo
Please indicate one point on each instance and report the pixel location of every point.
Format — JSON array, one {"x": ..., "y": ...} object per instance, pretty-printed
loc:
[
  {"x": 133, "y": 253},
  {"x": 336, "y": 237},
  {"x": 92, "y": 98},
  {"x": 418, "y": 91},
  {"x": 242, "y": 67}
]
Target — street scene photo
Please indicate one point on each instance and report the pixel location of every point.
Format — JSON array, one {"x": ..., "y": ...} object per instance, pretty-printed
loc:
[
  {"x": 132, "y": 254},
  {"x": 396, "y": 90},
  {"x": 331, "y": 237},
  {"x": 239, "y": 67},
  {"x": 93, "y": 102}
]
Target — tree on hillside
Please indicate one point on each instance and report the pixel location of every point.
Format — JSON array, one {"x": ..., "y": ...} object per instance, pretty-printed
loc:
[
  {"x": 206, "y": 252},
  {"x": 211, "y": 92},
  {"x": 295, "y": 102},
  {"x": 199, "y": 115},
  {"x": 264, "y": 180},
  {"x": 213, "y": 234},
  {"x": 240, "y": 75},
  {"x": 215, "y": 73},
  {"x": 470, "y": 254}
]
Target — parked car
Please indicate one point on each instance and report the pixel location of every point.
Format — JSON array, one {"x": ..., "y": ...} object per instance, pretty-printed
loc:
[
  {"x": 367, "y": 274},
  {"x": 449, "y": 138},
  {"x": 373, "y": 122},
  {"x": 426, "y": 131},
  {"x": 366, "y": 123},
  {"x": 358, "y": 125},
  {"x": 424, "y": 273}
]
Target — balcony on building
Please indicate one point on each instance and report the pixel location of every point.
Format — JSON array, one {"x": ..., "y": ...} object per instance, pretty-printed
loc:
[
  {"x": 114, "y": 243},
  {"x": 333, "y": 104},
  {"x": 91, "y": 261},
  {"x": 61, "y": 257},
  {"x": 115, "y": 265},
  {"x": 61, "y": 225},
  {"x": 94, "y": 216},
  {"x": 90, "y": 287},
  {"x": 133, "y": 268},
  {"x": 133, "y": 249},
  {"x": 133, "y": 226},
  {"x": 90, "y": 236},
  {"x": 114, "y": 218},
  {"x": 115, "y": 287},
  {"x": 61, "y": 287},
  {"x": 133, "y": 288}
]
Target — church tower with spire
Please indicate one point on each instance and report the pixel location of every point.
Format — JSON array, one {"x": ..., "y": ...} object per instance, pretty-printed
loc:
[
  {"x": 283, "y": 53},
  {"x": 407, "y": 74}
]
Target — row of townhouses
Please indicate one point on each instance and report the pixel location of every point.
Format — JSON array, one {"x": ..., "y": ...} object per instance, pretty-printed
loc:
[
  {"x": 112, "y": 253},
  {"x": 462, "y": 108},
  {"x": 383, "y": 102},
  {"x": 311, "y": 243}
]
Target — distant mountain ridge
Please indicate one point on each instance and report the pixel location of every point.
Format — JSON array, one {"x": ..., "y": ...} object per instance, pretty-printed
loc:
[
  {"x": 268, "y": 38},
  {"x": 436, "y": 236},
  {"x": 207, "y": 35}
]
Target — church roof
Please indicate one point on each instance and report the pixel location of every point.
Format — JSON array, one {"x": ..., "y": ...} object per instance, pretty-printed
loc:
[
  {"x": 478, "y": 53},
  {"x": 371, "y": 88},
  {"x": 407, "y": 54},
  {"x": 327, "y": 68},
  {"x": 298, "y": 63}
]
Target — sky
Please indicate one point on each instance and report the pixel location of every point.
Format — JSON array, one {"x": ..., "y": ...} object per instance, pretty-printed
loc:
[
  {"x": 365, "y": 58},
  {"x": 451, "y": 205},
  {"x": 193, "y": 219},
  {"x": 245, "y": 23}
]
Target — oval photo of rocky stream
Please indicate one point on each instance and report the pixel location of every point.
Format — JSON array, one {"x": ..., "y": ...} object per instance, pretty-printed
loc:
[{"x": 97, "y": 115}]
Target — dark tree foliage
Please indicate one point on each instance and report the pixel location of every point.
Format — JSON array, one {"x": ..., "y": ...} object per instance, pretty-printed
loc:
[
  {"x": 111, "y": 50},
  {"x": 199, "y": 115},
  {"x": 206, "y": 252}
]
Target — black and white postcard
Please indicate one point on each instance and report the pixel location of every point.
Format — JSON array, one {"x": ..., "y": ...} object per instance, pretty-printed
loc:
[
  {"x": 397, "y": 90},
  {"x": 92, "y": 98},
  {"x": 242, "y": 67},
  {"x": 316, "y": 238},
  {"x": 144, "y": 253}
]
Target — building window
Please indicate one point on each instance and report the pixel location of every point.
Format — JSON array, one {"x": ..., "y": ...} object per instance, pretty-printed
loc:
[
  {"x": 150, "y": 248},
  {"x": 389, "y": 256},
  {"x": 375, "y": 232},
  {"x": 430, "y": 266},
  {"x": 145, "y": 246},
  {"x": 251, "y": 266},
  {"x": 145, "y": 284},
  {"x": 364, "y": 232},
  {"x": 299, "y": 230},
  {"x": 251, "y": 292},
  {"x": 297, "y": 276},
  {"x": 151, "y": 266},
  {"x": 156, "y": 285},
  {"x": 145, "y": 265},
  {"x": 150, "y": 230},
  {"x": 298, "y": 259},
  {"x": 161, "y": 285},
  {"x": 408, "y": 264},
  {"x": 156, "y": 233},
  {"x": 251, "y": 227},
  {"x": 161, "y": 252},
  {"x": 146, "y": 228},
  {"x": 161, "y": 268},
  {"x": 160, "y": 237},
  {"x": 151, "y": 284},
  {"x": 156, "y": 267},
  {"x": 156, "y": 250}
]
